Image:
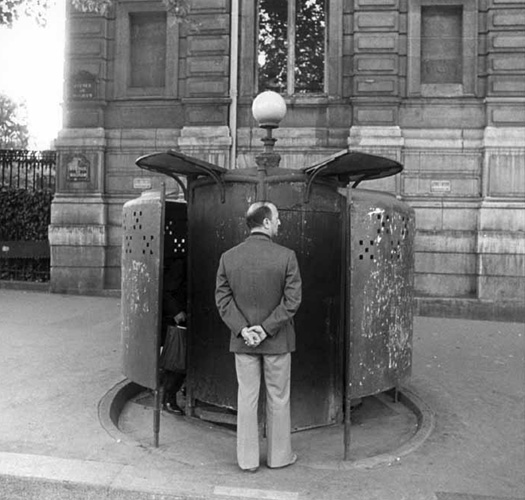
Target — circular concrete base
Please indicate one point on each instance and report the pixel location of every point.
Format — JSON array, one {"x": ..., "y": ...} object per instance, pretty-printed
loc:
[{"x": 320, "y": 448}]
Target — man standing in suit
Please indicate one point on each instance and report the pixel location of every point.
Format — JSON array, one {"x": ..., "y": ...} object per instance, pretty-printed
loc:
[{"x": 258, "y": 293}]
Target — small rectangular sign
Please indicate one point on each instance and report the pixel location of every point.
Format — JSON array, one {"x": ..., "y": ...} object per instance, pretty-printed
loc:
[
  {"x": 83, "y": 91},
  {"x": 440, "y": 186},
  {"x": 83, "y": 86},
  {"x": 77, "y": 168},
  {"x": 142, "y": 183}
]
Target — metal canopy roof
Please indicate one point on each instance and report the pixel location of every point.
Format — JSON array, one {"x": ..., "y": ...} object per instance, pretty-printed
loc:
[
  {"x": 173, "y": 163},
  {"x": 346, "y": 166},
  {"x": 353, "y": 166}
]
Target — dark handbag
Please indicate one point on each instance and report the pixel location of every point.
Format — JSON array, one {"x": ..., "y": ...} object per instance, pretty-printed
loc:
[{"x": 173, "y": 355}]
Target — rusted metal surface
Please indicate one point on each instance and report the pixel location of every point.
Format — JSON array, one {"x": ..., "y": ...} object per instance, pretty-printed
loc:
[
  {"x": 381, "y": 288},
  {"x": 317, "y": 364},
  {"x": 314, "y": 231},
  {"x": 315, "y": 235},
  {"x": 142, "y": 257},
  {"x": 214, "y": 227}
]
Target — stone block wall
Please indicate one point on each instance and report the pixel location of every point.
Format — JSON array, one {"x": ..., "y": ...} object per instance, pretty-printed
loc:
[
  {"x": 457, "y": 124},
  {"x": 108, "y": 124}
]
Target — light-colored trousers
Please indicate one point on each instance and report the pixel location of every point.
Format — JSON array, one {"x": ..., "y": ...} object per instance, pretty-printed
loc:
[{"x": 277, "y": 368}]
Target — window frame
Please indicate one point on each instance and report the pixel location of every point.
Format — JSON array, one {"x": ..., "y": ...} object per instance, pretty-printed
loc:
[
  {"x": 333, "y": 84},
  {"x": 291, "y": 42},
  {"x": 468, "y": 86},
  {"x": 123, "y": 90}
]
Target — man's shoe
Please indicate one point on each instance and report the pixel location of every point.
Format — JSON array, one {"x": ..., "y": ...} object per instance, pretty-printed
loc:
[
  {"x": 253, "y": 469},
  {"x": 173, "y": 408},
  {"x": 292, "y": 461}
]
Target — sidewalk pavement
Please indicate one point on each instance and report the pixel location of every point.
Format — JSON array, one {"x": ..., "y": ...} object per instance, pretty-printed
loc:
[{"x": 60, "y": 355}]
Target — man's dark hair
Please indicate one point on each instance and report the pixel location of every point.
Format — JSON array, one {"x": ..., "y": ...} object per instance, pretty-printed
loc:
[{"x": 256, "y": 216}]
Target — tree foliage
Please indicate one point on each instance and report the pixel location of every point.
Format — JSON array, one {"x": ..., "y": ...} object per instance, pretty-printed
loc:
[
  {"x": 11, "y": 10},
  {"x": 273, "y": 48},
  {"x": 14, "y": 132},
  {"x": 25, "y": 215},
  {"x": 309, "y": 45}
]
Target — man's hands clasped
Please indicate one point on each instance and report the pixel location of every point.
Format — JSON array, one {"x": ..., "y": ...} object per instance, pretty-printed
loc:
[{"x": 253, "y": 335}]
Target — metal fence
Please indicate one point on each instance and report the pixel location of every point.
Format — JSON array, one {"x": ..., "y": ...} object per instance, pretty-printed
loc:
[
  {"x": 28, "y": 170},
  {"x": 27, "y": 182}
]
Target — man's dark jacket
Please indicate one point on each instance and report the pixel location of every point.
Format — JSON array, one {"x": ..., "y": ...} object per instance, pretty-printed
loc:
[{"x": 258, "y": 283}]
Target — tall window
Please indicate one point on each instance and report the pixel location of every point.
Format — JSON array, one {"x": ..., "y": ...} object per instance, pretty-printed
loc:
[
  {"x": 442, "y": 47},
  {"x": 147, "y": 49},
  {"x": 441, "y": 44},
  {"x": 292, "y": 46}
]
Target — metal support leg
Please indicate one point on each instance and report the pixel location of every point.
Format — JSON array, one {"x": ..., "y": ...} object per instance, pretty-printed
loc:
[
  {"x": 347, "y": 426},
  {"x": 347, "y": 259},
  {"x": 156, "y": 418}
]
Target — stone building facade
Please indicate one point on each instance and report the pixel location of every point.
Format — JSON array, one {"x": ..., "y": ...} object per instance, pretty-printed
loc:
[{"x": 438, "y": 85}]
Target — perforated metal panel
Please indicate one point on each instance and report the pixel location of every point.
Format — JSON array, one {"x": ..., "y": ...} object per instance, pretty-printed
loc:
[
  {"x": 142, "y": 257},
  {"x": 381, "y": 290}
]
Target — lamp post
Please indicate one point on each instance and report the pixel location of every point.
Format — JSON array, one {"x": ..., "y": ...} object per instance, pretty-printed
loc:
[{"x": 268, "y": 109}]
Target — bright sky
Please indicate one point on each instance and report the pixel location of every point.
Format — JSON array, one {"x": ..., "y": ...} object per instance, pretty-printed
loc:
[{"x": 31, "y": 68}]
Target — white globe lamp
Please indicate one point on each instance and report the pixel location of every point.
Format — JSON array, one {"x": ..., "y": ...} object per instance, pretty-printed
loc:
[{"x": 268, "y": 108}]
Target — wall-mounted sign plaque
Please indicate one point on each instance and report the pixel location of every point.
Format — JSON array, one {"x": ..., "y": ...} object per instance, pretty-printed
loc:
[
  {"x": 142, "y": 183},
  {"x": 440, "y": 186},
  {"x": 77, "y": 168},
  {"x": 83, "y": 86}
]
